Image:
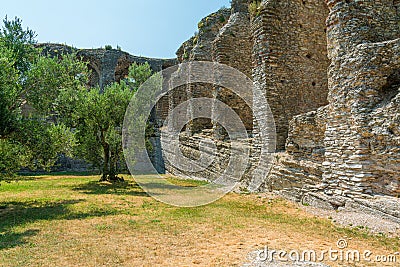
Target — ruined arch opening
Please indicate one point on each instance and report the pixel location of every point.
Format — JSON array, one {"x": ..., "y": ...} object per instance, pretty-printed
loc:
[
  {"x": 122, "y": 69},
  {"x": 94, "y": 75}
]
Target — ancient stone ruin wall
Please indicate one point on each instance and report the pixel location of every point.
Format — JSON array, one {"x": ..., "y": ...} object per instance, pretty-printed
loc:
[
  {"x": 198, "y": 48},
  {"x": 299, "y": 168},
  {"x": 107, "y": 66},
  {"x": 354, "y": 141},
  {"x": 331, "y": 73},
  {"x": 209, "y": 28},
  {"x": 283, "y": 47},
  {"x": 290, "y": 58},
  {"x": 223, "y": 37},
  {"x": 233, "y": 47},
  {"x": 362, "y": 133},
  {"x": 289, "y": 66}
]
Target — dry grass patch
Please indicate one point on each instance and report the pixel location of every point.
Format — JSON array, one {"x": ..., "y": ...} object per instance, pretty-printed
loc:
[{"x": 76, "y": 221}]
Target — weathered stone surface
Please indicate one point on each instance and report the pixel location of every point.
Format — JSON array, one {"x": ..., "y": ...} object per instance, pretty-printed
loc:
[
  {"x": 290, "y": 58},
  {"x": 300, "y": 168},
  {"x": 239, "y": 42},
  {"x": 361, "y": 148},
  {"x": 306, "y": 134},
  {"x": 331, "y": 73},
  {"x": 211, "y": 44},
  {"x": 107, "y": 66}
]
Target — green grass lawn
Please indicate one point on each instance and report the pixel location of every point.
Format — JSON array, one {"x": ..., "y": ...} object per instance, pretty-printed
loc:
[{"x": 73, "y": 220}]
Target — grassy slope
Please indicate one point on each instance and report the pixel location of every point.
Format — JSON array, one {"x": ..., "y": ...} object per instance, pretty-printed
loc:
[{"x": 75, "y": 221}]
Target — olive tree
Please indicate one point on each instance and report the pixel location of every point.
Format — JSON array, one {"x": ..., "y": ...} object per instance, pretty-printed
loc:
[
  {"x": 99, "y": 116},
  {"x": 28, "y": 78}
]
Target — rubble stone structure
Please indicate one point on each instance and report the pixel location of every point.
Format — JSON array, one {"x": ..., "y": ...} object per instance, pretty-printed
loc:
[
  {"x": 362, "y": 138},
  {"x": 106, "y": 66},
  {"x": 330, "y": 71},
  {"x": 290, "y": 58},
  {"x": 282, "y": 47}
]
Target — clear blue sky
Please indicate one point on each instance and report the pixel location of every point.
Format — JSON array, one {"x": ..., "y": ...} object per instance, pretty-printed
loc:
[{"x": 153, "y": 28}]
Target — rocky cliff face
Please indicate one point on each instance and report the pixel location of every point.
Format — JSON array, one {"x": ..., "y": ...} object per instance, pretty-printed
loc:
[{"x": 330, "y": 72}]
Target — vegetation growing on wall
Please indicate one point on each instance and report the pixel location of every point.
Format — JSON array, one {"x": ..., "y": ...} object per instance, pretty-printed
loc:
[{"x": 254, "y": 8}]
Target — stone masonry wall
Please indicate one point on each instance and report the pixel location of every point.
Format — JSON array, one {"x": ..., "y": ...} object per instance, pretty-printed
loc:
[
  {"x": 292, "y": 53},
  {"x": 107, "y": 66},
  {"x": 331, "y": 73},
  {"x": 209, "y": 28},
  {"x": 299, "y": 168},
  {"x": 362, "y": 137},
  {"x": 200, "y": 48},
  {"x": 290, "y": 58},
  {"x": 232, "y": 47},
  {"x": 361, "y": 134}
]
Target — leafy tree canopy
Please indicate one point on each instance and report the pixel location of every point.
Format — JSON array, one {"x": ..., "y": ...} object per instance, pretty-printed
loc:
[
  {"x": 98, "y": 116},
  {"x": 36, "y": 82}
]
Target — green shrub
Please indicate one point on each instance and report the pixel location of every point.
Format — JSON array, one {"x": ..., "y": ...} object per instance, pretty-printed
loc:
[
  {"x": 186, "y": 55},
  {"x": 200, "y": 25},
  {"x": 195, "y": 39},
  {"x": 108, "y": 47},
  {"x": 254, "y": 8}
]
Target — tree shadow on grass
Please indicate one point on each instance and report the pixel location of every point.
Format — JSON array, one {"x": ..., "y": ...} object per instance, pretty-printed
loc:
[
  {"x": 31, "y": 176},
  {"x": 14, "y": 239},
  {"x": 119, "y": 188},
  {"x": 14, "y": 214},
  {"x": 40, "y": 174}
]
